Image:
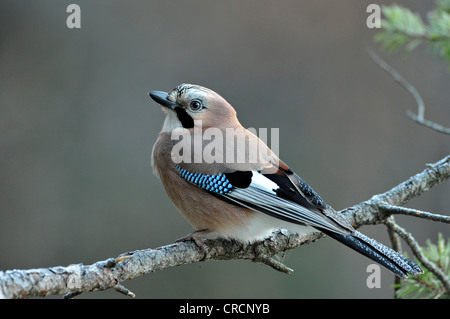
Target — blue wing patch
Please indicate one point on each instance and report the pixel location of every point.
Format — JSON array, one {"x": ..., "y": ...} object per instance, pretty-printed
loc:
[{"x": 213, "y": 183}]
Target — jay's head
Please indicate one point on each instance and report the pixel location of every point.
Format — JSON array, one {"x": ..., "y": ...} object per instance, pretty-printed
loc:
[{"x": 188, "y": 104}]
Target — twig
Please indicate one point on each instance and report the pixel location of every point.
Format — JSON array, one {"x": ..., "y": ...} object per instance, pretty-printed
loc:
[
  {"x": 125, "y": 291},
  {"x": 71, "y": 295},
  {"x": 420, "y": 117},
  {"x": 391, "y": 209},
  {"x": 401, "y": 80},
  {"x": 368, "y": 212},
  {"x": 397, "y": 246},
  {"x": 427, "y": 123},
  {"x": 417, "y": 252},
  {"x": 395, "y": 239},
  {"x": 75, "y": 279}
]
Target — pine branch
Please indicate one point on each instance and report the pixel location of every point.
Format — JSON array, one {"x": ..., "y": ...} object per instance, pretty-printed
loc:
[
  {"x": 78, "y": 278},
  {"x": 418, "y": 253},
  {"x": 403, "y": 28}
]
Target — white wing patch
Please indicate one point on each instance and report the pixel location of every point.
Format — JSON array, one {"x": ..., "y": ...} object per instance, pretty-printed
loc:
[
  {"x": 259, "y": 181},
  {"x": 261, "y": 196}
]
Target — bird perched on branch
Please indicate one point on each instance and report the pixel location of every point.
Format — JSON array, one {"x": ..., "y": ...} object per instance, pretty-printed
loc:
[{"x": 227, "y": 183}]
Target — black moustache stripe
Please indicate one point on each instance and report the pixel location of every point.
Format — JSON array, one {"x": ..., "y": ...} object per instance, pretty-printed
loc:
[{"x": 185, "y": 119}]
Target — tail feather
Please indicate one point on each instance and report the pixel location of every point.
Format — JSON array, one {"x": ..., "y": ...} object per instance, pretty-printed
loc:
[{"x": 378, "y": 252}]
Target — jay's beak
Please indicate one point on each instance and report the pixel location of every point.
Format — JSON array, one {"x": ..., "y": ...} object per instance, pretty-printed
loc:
[{"x": 161, "y": 98}]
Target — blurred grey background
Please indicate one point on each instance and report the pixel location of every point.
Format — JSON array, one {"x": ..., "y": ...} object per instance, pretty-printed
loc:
[{"x": 77, "y": 129}]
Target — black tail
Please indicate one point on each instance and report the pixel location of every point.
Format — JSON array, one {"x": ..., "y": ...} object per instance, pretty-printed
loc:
[{"x": 378, "y": 252}]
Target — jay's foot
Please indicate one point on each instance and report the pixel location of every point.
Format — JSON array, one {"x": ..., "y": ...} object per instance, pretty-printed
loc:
[{"x": 198, "y": 238}]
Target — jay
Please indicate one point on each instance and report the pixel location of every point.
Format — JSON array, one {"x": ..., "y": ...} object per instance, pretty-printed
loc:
[{"x": 244, "y": 198}]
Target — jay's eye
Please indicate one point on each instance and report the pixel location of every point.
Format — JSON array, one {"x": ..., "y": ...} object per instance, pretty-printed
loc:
[{"x": 195, "y": 105}]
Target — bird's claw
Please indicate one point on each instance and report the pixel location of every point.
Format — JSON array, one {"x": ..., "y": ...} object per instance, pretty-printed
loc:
[{"x": 198, "y": 238}]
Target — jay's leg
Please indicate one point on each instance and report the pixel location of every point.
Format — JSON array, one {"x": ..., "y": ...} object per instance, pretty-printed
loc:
[{"x": 198, "y": 238}]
